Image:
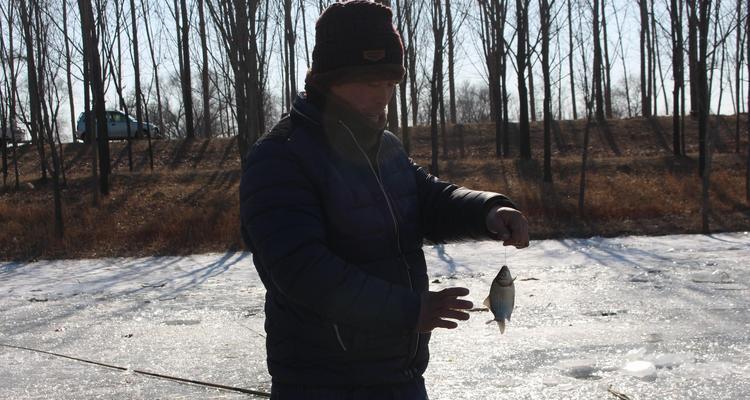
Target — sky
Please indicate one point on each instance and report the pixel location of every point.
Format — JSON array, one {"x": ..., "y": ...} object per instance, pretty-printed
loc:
[{"x": 469, "y": 59}]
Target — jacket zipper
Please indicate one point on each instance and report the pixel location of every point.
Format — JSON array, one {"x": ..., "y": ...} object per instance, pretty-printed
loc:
[
  {"x": 338, "y": 337},
  {"x": 413, "y": 354}
]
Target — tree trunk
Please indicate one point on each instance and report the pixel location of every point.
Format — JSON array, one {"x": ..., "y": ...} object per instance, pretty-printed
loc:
[
  {"x": 738, "y": 85},
  {"x": 91, "y": 46},
  {"x": 678, "y": 72},
  {"x": 544, "y": 11},
  {"x": 607, "y": 66},
  {"x": 187, "y": 87},
  {"x": 698, "y": 74},
  {"x": 238, "y": 31},
  {"x": 531, "y": 91},
  {"x": 451, "y": 66},
  {"x": 35, "y": 111},
  {"x": 137, "y": 69},
  {"x": 438, "y": 28},
  {"x": 13, "y": 93},
  {"x": 692, "y": 54},
  {"x": 704, "y": 7},
  {"x": 645, "y": 59},
  {"x": 69, "y": 81},
  {"x": 289, "y": 42},
  {"x": 503, "y": 64},
  {"x": 747, "y": 161},
  {"x": 118, "y": 82},
  {"x": 597, "y": 82},
  {"x": 155, "y": 69},
  {"x": 411, "y": 52},
  {"x": 521, "y": 60},
  {"x": 624, "y": 66},
  {"x": 204, "y": 71},
  {"x": 570, "y": 61},
  {"x": 402, "y": 87},
  {"x": 44, "y": 98}
]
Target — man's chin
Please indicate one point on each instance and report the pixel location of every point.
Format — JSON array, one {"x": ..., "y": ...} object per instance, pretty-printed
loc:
[{"x": 379, "y": 121}]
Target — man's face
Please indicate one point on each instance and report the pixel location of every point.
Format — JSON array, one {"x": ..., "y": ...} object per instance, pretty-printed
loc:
[{"x": 369, "y": 98}]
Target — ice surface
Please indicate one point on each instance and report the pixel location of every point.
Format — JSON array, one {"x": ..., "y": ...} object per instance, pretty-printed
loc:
[
  {"x": 586, "y": 309},
  {"x": 645, "y": 370}
]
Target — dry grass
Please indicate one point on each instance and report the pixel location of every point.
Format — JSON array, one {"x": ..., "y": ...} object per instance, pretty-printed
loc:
[{"x": 189, "y": 204}]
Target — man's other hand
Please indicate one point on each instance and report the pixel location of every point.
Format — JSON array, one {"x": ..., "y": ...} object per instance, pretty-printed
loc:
[
  {"x": 438, "y": 307},
  {"x": 509, "y": 225}
]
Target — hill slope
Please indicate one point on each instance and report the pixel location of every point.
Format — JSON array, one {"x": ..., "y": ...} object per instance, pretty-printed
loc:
[{"x": 189, "y": 202}]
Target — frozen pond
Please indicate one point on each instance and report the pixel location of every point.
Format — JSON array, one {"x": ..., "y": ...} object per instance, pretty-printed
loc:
[{"x": 649, "y": 317}]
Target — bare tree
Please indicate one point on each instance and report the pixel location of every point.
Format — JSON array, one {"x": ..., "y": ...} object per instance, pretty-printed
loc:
[
  {"x": 91, "y": 46},
  {"x": 570, "y": 60},
  {"x": 8, "y": 56},
  {"x": 451, "y": 62},
  {"x": 624, "y": 65},
  {"x": 438, "y": 30},
  {"x": 747, "y": 166},
  {"x": 597, "y": 81},
  {"x": 204, "y": 70},
  {"x": 26, "y": 15},
  {"x": 522, "y": 26},
  {"x": 678, "y": 72},
  {"x": 49, "y": 102},
  {"x": 68, "y": 62},
  {"x": 290, "y": 38},
  {"x": 545, "y": 7},
  {"x": 401, "y": 10},
  {"x": 737, "y": 77},
  {"x": 645, "y": 44},
  {"x": 237, "y": 25},
  {"x": 154, "y": 65},
  {"x": 699, "y": 13},
  {"x": 607, "y": 65},
  {"x": 183, "y": 26}
]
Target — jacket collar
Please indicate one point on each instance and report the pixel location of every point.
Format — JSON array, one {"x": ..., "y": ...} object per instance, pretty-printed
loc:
[{"x": 337, "y": 121}]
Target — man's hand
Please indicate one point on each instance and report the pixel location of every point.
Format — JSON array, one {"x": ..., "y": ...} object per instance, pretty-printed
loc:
[
  {"x": 437, "y": 306},
  {"x": 509, "y": 225}
]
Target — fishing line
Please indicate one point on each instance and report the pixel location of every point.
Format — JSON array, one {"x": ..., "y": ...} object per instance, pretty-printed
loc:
[{"x": 147, "y": 373}]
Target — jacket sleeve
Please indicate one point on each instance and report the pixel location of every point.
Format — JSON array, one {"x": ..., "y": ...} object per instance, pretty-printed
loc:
[
  {"x": 449, "y": 213},
  {"x": 283, "y": 225}
]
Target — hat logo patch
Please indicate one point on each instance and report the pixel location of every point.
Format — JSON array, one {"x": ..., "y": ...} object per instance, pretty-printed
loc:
[{"x": 373, "y": 55}]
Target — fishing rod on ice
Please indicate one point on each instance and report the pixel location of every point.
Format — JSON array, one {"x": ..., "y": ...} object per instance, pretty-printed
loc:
[{"x": 147, "y": 373}]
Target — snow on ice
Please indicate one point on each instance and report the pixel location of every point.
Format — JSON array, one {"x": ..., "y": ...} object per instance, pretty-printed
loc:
[{"x": 650, "y": 317}]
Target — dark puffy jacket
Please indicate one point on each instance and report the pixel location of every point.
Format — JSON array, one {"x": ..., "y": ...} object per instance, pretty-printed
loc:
[{"x": 337, "y": 241}]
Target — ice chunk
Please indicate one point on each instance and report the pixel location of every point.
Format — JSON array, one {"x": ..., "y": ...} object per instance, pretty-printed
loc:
[
  {"x": 578, "y": 368},
  {"x": 645, "y": 370},
  {"x": 671, "y": 360},
  {"x": 714, "y": 277},
  {"x": 636, "y": 354}
]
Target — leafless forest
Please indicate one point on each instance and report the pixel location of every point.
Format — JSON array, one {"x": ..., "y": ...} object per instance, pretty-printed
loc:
[{"x": 230, "y": 68}]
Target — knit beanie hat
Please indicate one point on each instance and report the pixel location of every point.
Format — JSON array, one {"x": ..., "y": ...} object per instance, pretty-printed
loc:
[{"x": 356, "y": 40}]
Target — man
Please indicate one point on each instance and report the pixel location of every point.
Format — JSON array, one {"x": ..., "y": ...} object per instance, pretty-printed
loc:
[{"x": 335, "y": 214}]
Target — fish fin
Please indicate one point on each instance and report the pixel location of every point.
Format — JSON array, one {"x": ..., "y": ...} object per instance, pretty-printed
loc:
[
  {"x": 486, "y": 302},
  {"x": 501, "y": 325}
]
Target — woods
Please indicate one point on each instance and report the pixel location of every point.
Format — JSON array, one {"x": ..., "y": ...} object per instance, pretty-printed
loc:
[{"x": 226, "y": 68}]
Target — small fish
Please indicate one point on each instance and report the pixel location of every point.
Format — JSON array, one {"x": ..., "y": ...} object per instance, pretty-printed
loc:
[{"x": 501, "y": 298}]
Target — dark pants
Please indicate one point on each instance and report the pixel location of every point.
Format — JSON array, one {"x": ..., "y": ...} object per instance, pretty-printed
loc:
[{"x": 414, "y": 390}]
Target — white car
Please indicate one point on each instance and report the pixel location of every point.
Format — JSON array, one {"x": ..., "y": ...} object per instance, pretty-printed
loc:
[
  {"x": 117, "y": 126},
  {"x": 7, "y": 134}
]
